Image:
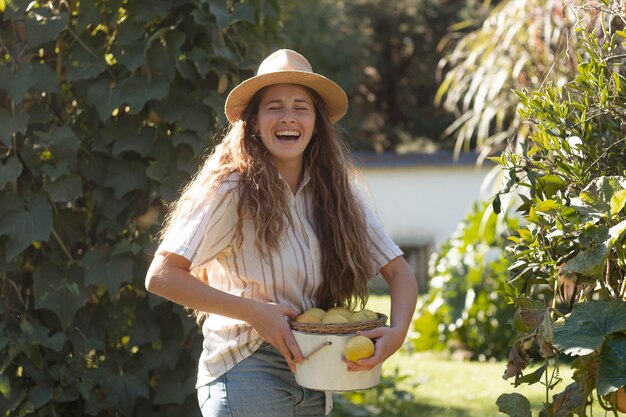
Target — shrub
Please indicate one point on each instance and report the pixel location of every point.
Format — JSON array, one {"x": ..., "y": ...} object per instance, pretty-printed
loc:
[{"x": 105, "y": 107}]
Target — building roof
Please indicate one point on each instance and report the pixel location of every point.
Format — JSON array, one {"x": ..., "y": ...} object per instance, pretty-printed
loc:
[{"x": 364, "y": 159}]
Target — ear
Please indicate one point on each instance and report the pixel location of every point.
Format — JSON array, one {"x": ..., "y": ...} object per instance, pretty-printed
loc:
[{"x": 255, "y": 124}]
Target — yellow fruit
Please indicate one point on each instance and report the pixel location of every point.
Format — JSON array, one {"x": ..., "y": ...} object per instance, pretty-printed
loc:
[
  {"x": 317, "y": 312},
  {"x": 308, "y": 318},
  {"x": 358, "y": 347},
  {"x": 334, "y": 318},
  {"x": 363, "y": 315},
  {"x": 340, "y": 310}
]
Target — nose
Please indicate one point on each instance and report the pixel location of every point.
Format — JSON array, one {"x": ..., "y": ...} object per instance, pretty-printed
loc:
[{"x": 288, "y": 116}]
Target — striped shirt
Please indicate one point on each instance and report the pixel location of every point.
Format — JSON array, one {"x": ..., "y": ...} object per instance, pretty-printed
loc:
[{"x": 290, "y": 275}]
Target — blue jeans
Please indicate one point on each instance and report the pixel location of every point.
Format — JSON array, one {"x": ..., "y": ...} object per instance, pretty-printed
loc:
[{"x": 260, "y": 386}]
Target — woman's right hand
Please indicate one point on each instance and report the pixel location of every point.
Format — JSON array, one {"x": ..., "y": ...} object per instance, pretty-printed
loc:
[{"x": 270, "y": 322}]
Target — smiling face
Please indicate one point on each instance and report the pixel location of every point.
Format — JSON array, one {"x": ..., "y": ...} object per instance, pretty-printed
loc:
[{"x": 286, "y": 122}]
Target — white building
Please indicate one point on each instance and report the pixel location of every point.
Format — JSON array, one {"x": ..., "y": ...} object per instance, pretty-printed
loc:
[{"x": 421, "y": 198}]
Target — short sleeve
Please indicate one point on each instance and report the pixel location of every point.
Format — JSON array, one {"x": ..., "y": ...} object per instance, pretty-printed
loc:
[
  {"x": 206, "y": 230},
  {"x": 383, "y": 249}
]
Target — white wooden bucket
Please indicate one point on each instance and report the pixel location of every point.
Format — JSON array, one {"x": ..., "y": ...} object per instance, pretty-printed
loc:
[{"x": 324, "y": 368}]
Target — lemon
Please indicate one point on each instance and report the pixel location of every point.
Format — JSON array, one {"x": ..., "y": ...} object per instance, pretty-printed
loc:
[
  {"x": 358, "y": 347},
  {"x": 334, "y": 318},
  {"x": 317, "y": 312},
  {"x": 340, "y": 310},
  {"x": 308, "y": 318},
  {"x": 363, "y": 315}
]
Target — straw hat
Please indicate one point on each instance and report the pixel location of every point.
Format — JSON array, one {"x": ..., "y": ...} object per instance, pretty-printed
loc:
[{"x": 287, "y": 67}]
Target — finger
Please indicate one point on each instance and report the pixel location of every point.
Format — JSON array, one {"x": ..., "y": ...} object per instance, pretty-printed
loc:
[
  {"x": 290, "y": 312},
  {"x": 376, "y": 333},
  {"x": 287, "y": 355},
  {"x": 293, "y": 347}
]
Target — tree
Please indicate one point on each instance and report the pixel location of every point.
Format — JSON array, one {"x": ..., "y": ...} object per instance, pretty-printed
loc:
[
  {"x": 105, "y": 109},
  {"x": 385, "y": 55},
  {"x": 569, "y": 272},
  {"x": 521, "y": 45}
]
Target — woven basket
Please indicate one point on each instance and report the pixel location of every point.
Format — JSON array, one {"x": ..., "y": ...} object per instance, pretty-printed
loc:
[{"x": 338, "y": 328}]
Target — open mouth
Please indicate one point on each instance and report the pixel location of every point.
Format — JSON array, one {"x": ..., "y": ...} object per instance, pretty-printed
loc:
[{"x": 287, "y": 135}]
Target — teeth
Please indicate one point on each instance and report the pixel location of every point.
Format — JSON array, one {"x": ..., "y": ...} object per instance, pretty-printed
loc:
[{"x": 288, "y": 133}]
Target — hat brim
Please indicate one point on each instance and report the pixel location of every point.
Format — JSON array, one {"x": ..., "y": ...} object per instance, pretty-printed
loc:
[{"x": 334, "y": 97}]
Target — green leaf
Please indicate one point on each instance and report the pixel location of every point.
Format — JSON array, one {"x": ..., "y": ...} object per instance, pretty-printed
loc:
[
  {"x": 9, "y": 171},
  {"x": 10, "y": 125},
  {"x": 110, "y": 275},
  {"x": 617, "y": 231},
  {"x": 137, "y": 91},
  {"x": 24, "y": 222},
  {"x": 64, "y": 145},
  {"x": 41, "y": 394},
  {"x": 591, "y": 261},
  {"x": 82, "y": 64},
  {"x": 172, "y": 390},
  {"x": 612, "y": 367},
  {"x": 599, "y": 193},
  {"x": 65, "y": 189},
  {"x": 546, "y": 206},
  {"x": 60, "y": 292},
  {"x": 123, "y": 389},
  {"x": 617, "y": 202},
  {"x": 588, "y": 326},
  {"x": 5, "y": 385},
  {"x": 103, "y": 97},
  {"x": 43, "y": 26},
  {"x": 124, "y": 176},
  {"x": 514, "y": 405}
]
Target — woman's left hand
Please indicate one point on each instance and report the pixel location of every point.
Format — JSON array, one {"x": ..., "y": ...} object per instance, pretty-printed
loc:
[{"x": 387, "y": 342}]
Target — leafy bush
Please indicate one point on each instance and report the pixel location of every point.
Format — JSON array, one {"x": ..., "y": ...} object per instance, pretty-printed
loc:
[
  {"x": 463, "y": 307},
  {"x": 105, "y": 107},
  {"x": 568, "y": 273}
]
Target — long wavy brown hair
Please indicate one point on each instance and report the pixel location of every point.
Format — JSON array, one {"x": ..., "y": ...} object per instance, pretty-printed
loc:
[{"x": 339, "y": 217}]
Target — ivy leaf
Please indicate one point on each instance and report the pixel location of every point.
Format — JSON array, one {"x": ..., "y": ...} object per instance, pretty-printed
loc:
[
  {"x": 60, "y": 292},
  {"x": 123, "y": 388},
  {"x": 137, "y": 91},
  {"x": 514, "y": 405},
  {"x": 588, "y": 325},
  {"x": 103, "y": 97},
  {"x": 124, "y": 176},
  {"x": 83, "y": 65},
  {"x": 612, "y": 367},
  {"x": 11, "y": 124},
  {"x": 111, "y": 274},
  {"x": 43, "y": 26},
  {"x": 10, "y": 170},
  {"x": 65, "y": 189},
  {"x": 172, "y": 389},
  {"x": 24, "y": 222}
]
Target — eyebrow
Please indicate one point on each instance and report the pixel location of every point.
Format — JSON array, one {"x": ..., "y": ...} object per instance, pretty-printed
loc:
[{"x": 297, "y": 100}]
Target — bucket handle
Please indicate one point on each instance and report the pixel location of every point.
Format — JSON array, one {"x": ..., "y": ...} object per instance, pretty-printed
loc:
[{"x": 317, "y": 349}]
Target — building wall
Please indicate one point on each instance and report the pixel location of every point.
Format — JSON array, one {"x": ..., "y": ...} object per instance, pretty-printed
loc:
[
  {"x": 422, "y": 202},
  {"x": 423, "y": 205}
]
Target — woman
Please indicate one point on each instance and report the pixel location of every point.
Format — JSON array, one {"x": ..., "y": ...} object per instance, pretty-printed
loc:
[{"x": 273, "y": 224}]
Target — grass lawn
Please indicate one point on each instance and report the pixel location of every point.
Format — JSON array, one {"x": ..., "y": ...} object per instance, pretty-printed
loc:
[{"x": 446, "y": 388}]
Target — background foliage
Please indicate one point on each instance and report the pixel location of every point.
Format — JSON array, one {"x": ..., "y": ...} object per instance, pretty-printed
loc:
[
  {"x": 568, "y": 273},
  {"x": 385, "y": 54},
  {"x": 464, "y": 310},
  {"x": 105, "y": 107}
]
